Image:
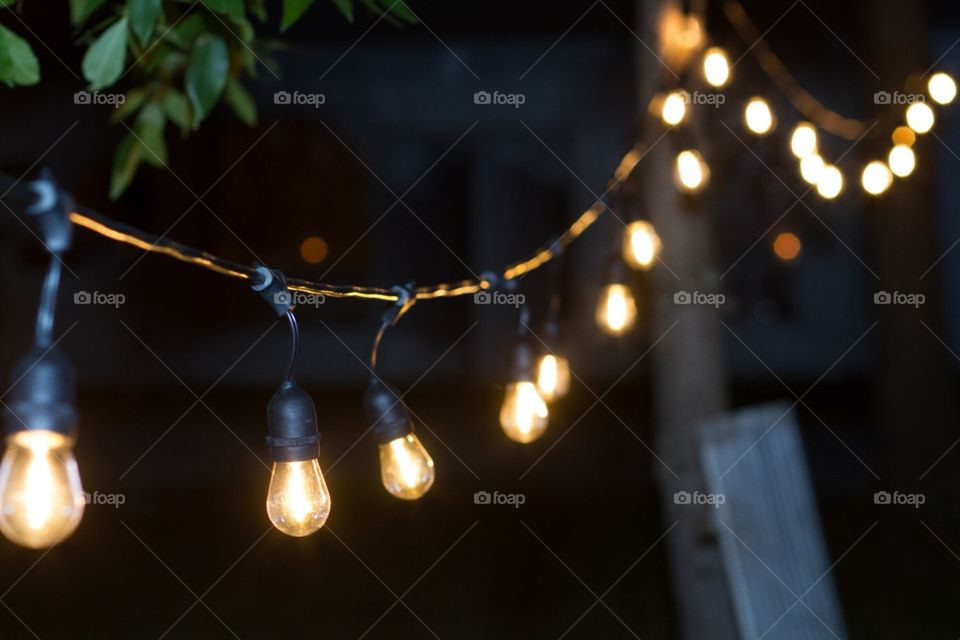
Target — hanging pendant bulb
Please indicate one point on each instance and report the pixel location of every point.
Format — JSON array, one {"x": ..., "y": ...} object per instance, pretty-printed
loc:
[
  {"x": 690, "y": 171},
  {"x": 41, "y": 498},
  {"x": 716, "y": 67},
  {"x": 616, "y": 309},
  {"x": 803, "y": 140},
  {"x": 758, "y": 116},
  {"x": 524, "y": 414},
  {"x": 406, "y": 469},
  {"x": 641, "y": 245},
  {"x": 553, "y": 377},
  {"x": 298, "y": 502}
]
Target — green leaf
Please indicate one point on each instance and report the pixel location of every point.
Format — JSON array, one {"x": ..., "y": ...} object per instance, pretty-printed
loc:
[
  {"x": 143, "y": 17},
  {"x": 133, "y": 100},
  {"x": 206, "y": 74},
  {"x": 258, "y": 9},
  {"x": 399, "y": 9},
  {"x": 6, "y": 3},
  {"x": 125, "y": 162},
  {"x": 177, "y": 108},
  {"x": 185, "y": 32},
  {"x": 103, "y": 63},
  {"x": 149, "y": 129},
  {"x": 18, "y": 64},
  {"x": 241, "y": 102},
  {"x": 292, "y": 10},
  {"x": 232, "y": 8},
  {"x": 346, "y": 8},
  {"x": 80, "y": 10}
]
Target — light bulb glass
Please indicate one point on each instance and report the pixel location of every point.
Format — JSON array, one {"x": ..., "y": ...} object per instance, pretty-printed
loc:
[
  {"x": 691, "y": 172},
  {"x": 716, "y": 67},
  {"x": 674, "y": 108},
  {"x": 617, "y": 311},
  {"x": 553, "y": 377},
  {"x": 902, "y": 160},
  {"x": 920, "y": 117},
  {"x": 524, "y": 414},
  {"x": 803, "y": 141},
  {"x": 942, "y": 88},
  {"x": 298, "y": 502},
  {"x": 830, "y": 183},
  {"x": 903, "y": 135},
  {"x": 876, "y": 178},
  {"x": 641, "y": 245},
  {"x": 41, "y": 499},
  {"x": 811, "y": 168},
  {"x": 406, "y": 468},
  {"x": 758, "y": 116}
]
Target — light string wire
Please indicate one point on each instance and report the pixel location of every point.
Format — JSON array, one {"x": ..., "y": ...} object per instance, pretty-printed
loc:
[{"x": 48, "y": 301}]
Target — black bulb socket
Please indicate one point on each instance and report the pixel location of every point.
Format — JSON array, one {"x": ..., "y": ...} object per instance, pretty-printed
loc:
[
  {"x": 43, "y": 394},
  {"x": 292, "y": 434},
  {"x": 386, "y": 413}
]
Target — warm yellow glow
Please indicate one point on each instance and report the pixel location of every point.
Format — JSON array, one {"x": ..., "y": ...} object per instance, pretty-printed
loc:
[
  {"x": 298, "y": 502},
  {"x": 830, "y": 183},
  {"x": 716, "y": 67},
  {"x": 942, "y": 88},
  {"x": 904, "y": 135},
  {"x": 641, "y": 245},
  {"x": 314, "y": 249},
  {"x": 902, "y": 160},
  {"x": 803, "y": 141},
  {"x": 617, "y": 310},
  {"x": 553, "y": 377},
  {"x": 523, "y": 415},
  {"x": 674, "y": 108},
  {"x": 41, "y": 499},
  {"x": 680, "y": 34},
  {"x": 406, "y": 468},
  {"x": 811, "y": 168},
  {"x": 758, "y": 116},
  {"x": 920, "y": 117},
  {"x": 876, "y": 178},
  {"x": 691, "y": 172},
  {"x": 787, "y": 246}
]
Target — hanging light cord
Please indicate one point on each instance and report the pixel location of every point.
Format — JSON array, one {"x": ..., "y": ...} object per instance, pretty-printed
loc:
[
  {"x": 406, "y": 298},
  {"x": 294, "y": 345},
  {"x": 48, "y": 300}
]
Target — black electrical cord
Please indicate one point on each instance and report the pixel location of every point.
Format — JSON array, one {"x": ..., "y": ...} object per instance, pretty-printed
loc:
[
  {"x": 294, "y": 345},
  {"x": 48, "y": 302}
]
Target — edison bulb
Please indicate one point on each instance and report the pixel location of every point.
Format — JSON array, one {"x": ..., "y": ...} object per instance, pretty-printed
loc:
[
  {"x": 41, "y": 499},
  {"x": 803, "y": 141},
  {"x": 553, "y": 377},
  {"x": 641, "y": 245},
  {"x": 674, "y": 108},
  {"x": 691, "y": 172},
  {"x": 758, "y": 116},
  {"x": 942, "y": 88},
  {"x": 876, "y": 178},
  {"x": 830, "y": 183},
  {"x": 920, "y": 117},
  {"x": 716, "y": 67},
  {"x": 811, "y": 168},
  {"x": 406, "y": 468},
  {"x": 523, "y": 415},
  {"x": 298, "y": 501},
  {"x": 902, "y": 160},
  {"x": 617, "y": 311}
]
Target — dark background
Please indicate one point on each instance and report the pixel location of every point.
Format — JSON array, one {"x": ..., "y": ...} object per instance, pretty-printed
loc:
[{"x": 194, "y": 473}]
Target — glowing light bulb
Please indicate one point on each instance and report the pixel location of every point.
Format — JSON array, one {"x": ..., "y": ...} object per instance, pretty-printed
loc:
[
  {"x": 942, "y": 88},
  {"x": 406, "y": 468},
  {"x": 41, "y": 499},
  {"x": 920, "y": 117},
  {"x": 903, "y": 135},
  {"x": 641, "y": 245},
  {"x": 716, "y": 67},
  {"x": 691, "y": 172},
  {"x": 803, "y": 141},
  {"x": 674, "y": 108},
  {"x": 617, "y": 311},
  {"x": 787, "y": 246},
  {"x": 811, "y": 168},
  {"x": 830, "y": 183},
  {"x": 902, "y": 160},
  {"x": 298, "y": 502},
  {"x": 876, "y": 178},
  {"x": 553, "y": 377},
  {"x": 758, "y": 116},
  {"x": 523, "y": 415}
]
